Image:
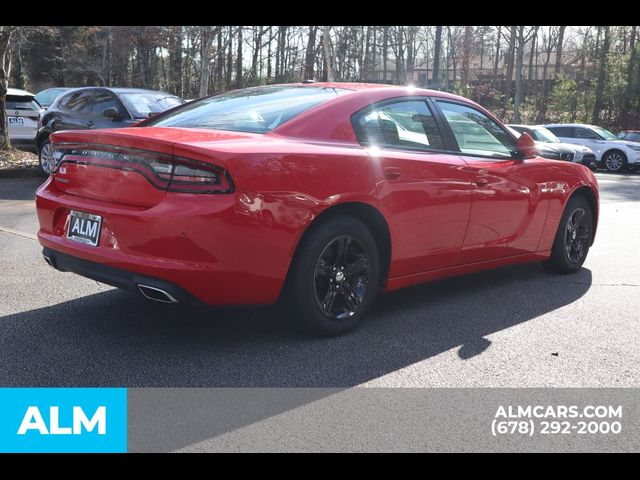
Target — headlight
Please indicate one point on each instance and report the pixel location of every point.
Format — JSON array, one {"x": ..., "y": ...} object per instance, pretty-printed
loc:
[{"x": 634, "y": 147}]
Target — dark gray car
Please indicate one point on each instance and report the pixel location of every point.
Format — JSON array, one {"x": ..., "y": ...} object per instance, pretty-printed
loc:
[{"x": 98, "y": 107}]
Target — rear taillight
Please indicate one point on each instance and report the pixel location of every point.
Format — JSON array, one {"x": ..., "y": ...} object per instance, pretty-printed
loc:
[{"x": 163, "y": 171}]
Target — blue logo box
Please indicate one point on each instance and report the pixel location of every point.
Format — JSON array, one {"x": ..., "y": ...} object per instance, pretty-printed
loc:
[{"x": 63, "y": 420}]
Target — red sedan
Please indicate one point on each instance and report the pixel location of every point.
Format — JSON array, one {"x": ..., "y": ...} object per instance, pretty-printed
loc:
[{"x": 321, "y": 194}]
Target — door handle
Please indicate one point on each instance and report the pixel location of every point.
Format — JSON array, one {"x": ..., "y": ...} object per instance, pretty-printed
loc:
[
  {"x": 392, "y": 173},
  {"x": 89, "y": 124},
  {"x": 482, "y": 182}
]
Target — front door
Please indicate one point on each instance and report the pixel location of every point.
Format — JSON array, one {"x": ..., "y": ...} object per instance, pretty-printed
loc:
[{"x": 507, "y": 211}]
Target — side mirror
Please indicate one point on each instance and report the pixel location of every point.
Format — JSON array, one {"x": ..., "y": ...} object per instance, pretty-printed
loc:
[
  {"x": 526, "y": 146},
  {"x": 111, "y": 113}
]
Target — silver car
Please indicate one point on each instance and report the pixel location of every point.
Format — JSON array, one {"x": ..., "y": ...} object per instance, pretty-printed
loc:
[{"x": 24, "y": 113}]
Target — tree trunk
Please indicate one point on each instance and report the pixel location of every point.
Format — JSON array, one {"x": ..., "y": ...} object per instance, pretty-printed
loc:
[
  {"x": 497, "y": 59},
  {"x": 466, "y": 54},
  {"x": 602, "y": 76},
  {"x": 5, "y": 144},
  {"x": 229, "y": 71},
  {"x": 385, "y": 52},
  {"x": 628, "y": 91},
  {"x": 517, "y": 101},
  {"x": 437, "y": 52},
  {"x": 310, "y": 55},
  {"x": 239, "y": 60},
  {"x": 556, "y": 70},
  {"x": 508, "y": 81},
  {"x": 328, "y": 56}
]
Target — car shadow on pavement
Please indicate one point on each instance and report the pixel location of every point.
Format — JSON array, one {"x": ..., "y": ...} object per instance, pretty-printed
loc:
[{"x": 116, "y": 338}]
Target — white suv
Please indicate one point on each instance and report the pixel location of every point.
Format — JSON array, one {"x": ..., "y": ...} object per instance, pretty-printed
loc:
[
  {"x": 611, "y": 153},
  {"x": 24, "y": 114}
]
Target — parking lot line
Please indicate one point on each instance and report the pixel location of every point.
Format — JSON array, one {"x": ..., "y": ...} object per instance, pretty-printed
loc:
[{"x": 11, "y": 231}]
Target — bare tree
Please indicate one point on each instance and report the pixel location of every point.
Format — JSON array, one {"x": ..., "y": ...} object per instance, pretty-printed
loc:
[
  {"x": 328, "y": 54},
  {"x": 5, "y": 38},
  {"x": 524, "y": 35}
]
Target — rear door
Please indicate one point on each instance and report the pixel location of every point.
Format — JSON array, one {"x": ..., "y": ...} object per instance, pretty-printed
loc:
[
  {"x": 423, "y": 189},
  {"x": 507, "y": 213},
  {"x": 75, "y": 111}
]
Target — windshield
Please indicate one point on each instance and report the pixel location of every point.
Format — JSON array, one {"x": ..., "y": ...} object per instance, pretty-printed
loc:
[
  {"x": 605, "y": 134},
  {"x": 47, "y": 97},
  {"x": 541, "y": 134},
  {"x": 141, "y": 105},
  {"x": 254, "y": 110}
]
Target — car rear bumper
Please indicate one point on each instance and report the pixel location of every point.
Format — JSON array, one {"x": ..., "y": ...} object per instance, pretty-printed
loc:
[
  {"x": 150, "y": 287},
  {"x": 193, "y": 246}
]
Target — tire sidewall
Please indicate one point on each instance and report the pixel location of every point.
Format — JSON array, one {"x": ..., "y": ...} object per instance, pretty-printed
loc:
[
  {"x": 559, "y": 260},
  {"x": 44, "y": 142},
  {"x": 307, "y": 312},
  {"x": 622, "y": 168}
]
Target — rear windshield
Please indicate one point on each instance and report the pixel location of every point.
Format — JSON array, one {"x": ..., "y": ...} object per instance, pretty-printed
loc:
[
  {"x": 141, "y": 105},
  {"x": 15, "y": 102},
  {"x": 254, "y": 110}
]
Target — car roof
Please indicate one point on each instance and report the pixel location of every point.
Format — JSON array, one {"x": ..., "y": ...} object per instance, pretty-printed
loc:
[
  {"x": 123, "y": 90},
  {"x": 630, "y": 131},
  {"x": 19, "y": 93},
  {"x": 570, "y": 125}
]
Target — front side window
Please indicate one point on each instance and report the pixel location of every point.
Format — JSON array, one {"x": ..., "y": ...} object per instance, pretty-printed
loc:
[
  {"x": 254, "y": 110},
  {"x": 142, "y": 105},
  {"x": 104, "y": 100},
  {"x": 604, "y": 133},
  {"x": 402, "y": 124},
  {"x": 476, "y": 133},
  {"x": 585, "y": 133}
]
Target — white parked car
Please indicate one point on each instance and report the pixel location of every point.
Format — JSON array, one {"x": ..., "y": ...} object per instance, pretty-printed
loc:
[
  {"x": 611, "y": 153},
  {"x": 24, "y": 114}
]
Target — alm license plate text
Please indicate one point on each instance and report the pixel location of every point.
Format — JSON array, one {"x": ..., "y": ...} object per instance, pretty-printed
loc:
[
  {"x": 84, "y": 227},
  {"x": 18, "y": 121}
]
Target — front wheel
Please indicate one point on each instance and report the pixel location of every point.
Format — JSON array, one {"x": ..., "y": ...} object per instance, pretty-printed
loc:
[
  {"x": 571, "y": 245},
  {"x": 45, "y": 157},
  {"x": 335, "y": 276}
]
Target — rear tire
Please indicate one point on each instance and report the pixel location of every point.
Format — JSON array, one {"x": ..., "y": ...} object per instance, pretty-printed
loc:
[
  {"x": 335, "y": 277},
  {"x": 45, "y": 157},
  {"x": 573, "y": 239},
  {"x": 615, "y": 161}
]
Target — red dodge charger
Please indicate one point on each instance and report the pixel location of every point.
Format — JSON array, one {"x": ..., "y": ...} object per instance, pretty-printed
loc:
[{"x": 321, "y": 194}]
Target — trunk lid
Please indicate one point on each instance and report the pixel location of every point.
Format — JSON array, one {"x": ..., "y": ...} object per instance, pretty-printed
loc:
[{"x": 131, "y": 166}]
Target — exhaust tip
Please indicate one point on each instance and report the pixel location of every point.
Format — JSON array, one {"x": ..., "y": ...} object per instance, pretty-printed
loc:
[
  {"x": 156, "y": 294},
  {"x": 48, "y": 260}
]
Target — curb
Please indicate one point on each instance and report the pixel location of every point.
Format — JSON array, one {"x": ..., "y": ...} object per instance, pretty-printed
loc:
[{"x": 20, "y": 172}]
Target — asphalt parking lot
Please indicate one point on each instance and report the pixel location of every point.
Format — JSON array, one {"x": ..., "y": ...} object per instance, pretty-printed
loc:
[{"x": 514, "y": 327}]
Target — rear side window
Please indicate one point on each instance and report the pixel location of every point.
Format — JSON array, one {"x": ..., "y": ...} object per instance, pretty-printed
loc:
[
  {"x": 567, "y": 132},
  {"x": 141, "y": 105},
  {"x": 255, "y": 110},
  {"x": 77, "y": 101},
  {"x": 404, "y": 124},
  {"x": 15, "y": 102}
]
